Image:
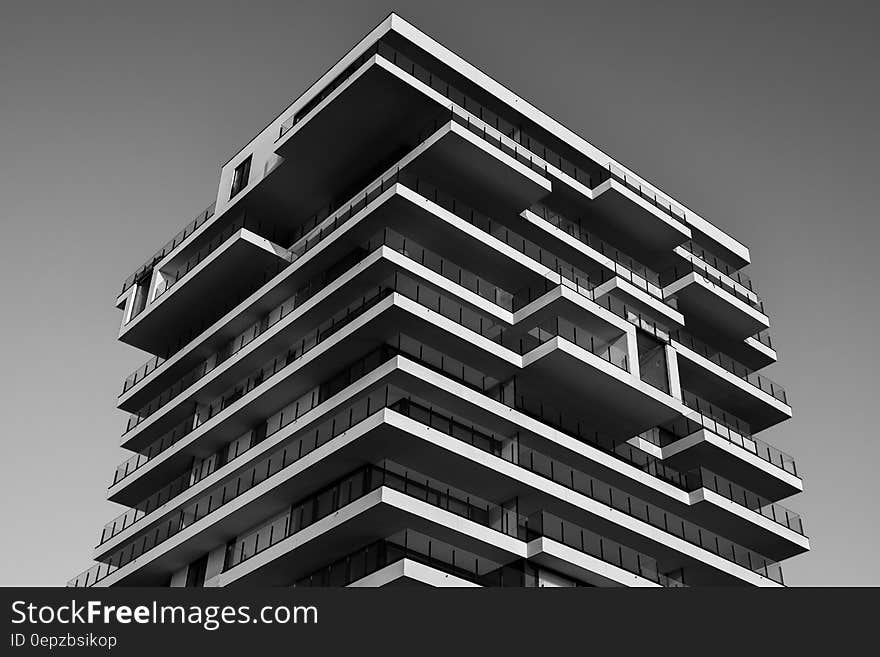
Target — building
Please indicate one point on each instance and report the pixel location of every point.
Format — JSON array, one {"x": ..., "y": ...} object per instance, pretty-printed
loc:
[{"x": 426, "y": 334}]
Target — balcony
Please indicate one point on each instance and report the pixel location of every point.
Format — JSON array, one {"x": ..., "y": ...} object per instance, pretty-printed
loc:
[
  {"x": 238, "y": 452},
  {"x": 709, "y": 300},
  {"x": 720, "y": 547},
  {"x": 713, "y": 437},
  {"x": 338, "y": 426},
  {"x": 729, "y": 384},
  {"x": 239, "y": 259},
  {"x": 544, "y": 533},
  {"x": 462, "y": 212},
  {"x": 740, "y": 282},
  {"x": 145, "y": 269},
  {"x": 580, "y": 242},
  {"x": 446, "y": 566},
  {"x": 613, "y": 196}
]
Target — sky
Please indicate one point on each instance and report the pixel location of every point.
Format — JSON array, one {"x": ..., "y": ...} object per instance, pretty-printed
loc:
[{"x": 115, "y": 119}]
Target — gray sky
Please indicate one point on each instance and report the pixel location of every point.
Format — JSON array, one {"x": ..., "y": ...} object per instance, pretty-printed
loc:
[{"x": 115, "y": 118}]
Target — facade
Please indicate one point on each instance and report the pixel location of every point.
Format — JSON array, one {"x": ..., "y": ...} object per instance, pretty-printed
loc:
[{"x": 428, "y": 335}]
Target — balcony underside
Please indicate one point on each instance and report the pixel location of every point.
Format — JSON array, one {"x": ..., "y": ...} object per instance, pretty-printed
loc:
[
  {"x": 622, "y": 398},
  {"x": 729, "y": 392},
  {"x": 751, "y": 352},
  {"x": 399, "y": 212},
  {"x": 620, "y": 216},
  {"x": 750, "y": 527},
  {"x": 446, "y": 458},
  {"x": 243, "y": 260},
  {"x": 468, "y": 405},
  {"x": 431, "y": 454},
  {"x": 368, "y": 123},
  {"x": 477, "y": 172},
  {"x": 716, "y": 308},
  {"x": 615, "y": 402},
  {"x": 639, "y": 301},
  {"x": 739, "y": 464},
  {"x": 382, "y": 322}
]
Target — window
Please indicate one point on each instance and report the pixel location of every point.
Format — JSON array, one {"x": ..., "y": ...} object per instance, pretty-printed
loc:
[
  {"x": 241, "y": 176},
  {"x": 195, "y": 573}
]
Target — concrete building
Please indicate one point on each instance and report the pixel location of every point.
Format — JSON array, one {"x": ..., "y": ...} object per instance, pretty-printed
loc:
[{"x": 426, "y": 334}]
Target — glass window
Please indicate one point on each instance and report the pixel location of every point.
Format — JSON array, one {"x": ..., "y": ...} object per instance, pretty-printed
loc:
[{"x": 241, "y": 176}]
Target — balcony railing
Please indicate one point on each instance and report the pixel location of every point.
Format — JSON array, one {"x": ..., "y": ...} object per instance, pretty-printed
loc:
[
  {"x": 717, "y": 263},
  {"x": 584, "y": 484},
  {"x": 583, "y": 284},
  {"x": 696, "y": 266},
  {"x": 305, "y": 236},
  {"x": 421, "y": 294},
  {"x": 623, "y": 265},
  {"x": 362, "y": 409},
  {"x": 296, "y": 350},
  {"x": 560, "y": 327},
  {"x": 732, "y": 429},
  {"x": 499, "y": 518},
  {"x": 764, "y": 338},
  {"x": 325, "y": 431},
  {"x": 735, "y": 493},
  {"x": 728, "y": 364},
  {"x": 386, "y": 237},
  {"x": 428, "y": 357},
  {"x": 170, "y": 279},
  {"x": 505, "y": 392},
  {"x": 440, "y": 265},
  {"x": 358, "y": 484},
  {"x": 544, "y": 524},
  {"x": 231, "y": 452},
  {"x": 188, "y": 230}
]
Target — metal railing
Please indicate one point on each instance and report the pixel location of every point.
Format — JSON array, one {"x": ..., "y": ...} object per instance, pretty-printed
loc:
[
  {"x": 563, "y": 474},
  {"x": 682, "y": 269},
  {"x": 339, "y": 424},
  {"x": 170, "y": 279},
  {"x": 187, "y": 230},
  {"x": 732, "y": 429},
  {"x": 623, "y": 265},
  {"x": 231, "y": 452},
  {"x": 718, "y": 264},
  {"x": 728, "y": 364}
]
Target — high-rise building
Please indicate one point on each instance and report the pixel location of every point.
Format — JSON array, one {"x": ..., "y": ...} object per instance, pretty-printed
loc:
[{"x": 426, "y": 334}]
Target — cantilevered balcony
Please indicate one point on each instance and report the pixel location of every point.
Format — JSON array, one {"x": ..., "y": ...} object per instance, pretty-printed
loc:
[
  {"x": 286, "y": 322},
  {"x": 314, "y": 532},
  {"x": 736, "y": 554},
  {"x": 612, "y": 196},
  {"x": 487, "y": 534},
  {"x": 358, "y": 374},
  {"x": 237, "y": 259},
  {"x": 368, "y": 118},
  {"x": 448, "y": 566},
  {"x": 372, "y": 319},
  {"x": 715, "y": 438},
  {"x": 707, "y": 298},
  {"x": 729, "y": 384},
  {"x": 171, "y": 245},
  {"x": 376, "y": 218},
  {"x": 257, "y": 469}
]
